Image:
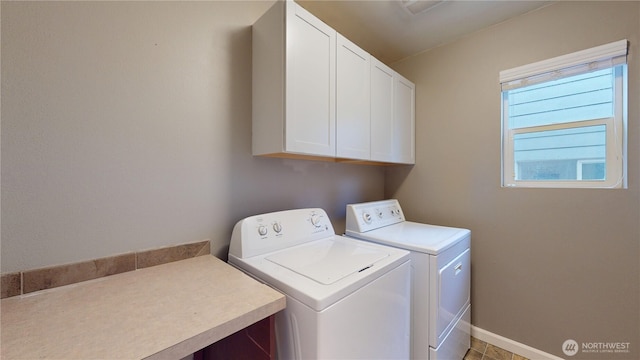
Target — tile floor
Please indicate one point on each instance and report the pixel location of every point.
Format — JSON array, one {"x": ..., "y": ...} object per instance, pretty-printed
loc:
[{"x": 481, "y": 350}]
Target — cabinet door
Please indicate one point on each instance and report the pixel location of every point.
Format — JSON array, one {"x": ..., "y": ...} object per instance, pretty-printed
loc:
[
  {"x": 382, "y": 103},
  {"x": 310, "y": 84},
  {"x": 352, "y": 101},
  {"x": 404, "y": 121}
]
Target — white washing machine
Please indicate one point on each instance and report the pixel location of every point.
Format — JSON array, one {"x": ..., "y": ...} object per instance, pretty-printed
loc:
[
  {"x": 346, "y": 298},
  {"x": 440, "y": 270}
]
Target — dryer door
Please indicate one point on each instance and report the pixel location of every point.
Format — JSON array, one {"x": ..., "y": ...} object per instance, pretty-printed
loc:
[{"x": 453, "y": 284}]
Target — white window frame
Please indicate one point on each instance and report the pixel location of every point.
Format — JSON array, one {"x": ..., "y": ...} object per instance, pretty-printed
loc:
[
  {"x": 580, "y": 163},
  {"x": 611, "y": 55}
]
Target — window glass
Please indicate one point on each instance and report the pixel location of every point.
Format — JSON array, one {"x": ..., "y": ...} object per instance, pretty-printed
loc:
[
  {"x": 555, "y": 154},
  {"x": 581, "y": 97}
]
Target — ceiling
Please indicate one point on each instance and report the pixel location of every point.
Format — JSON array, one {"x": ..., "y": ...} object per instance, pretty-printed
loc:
[{"x": 389, "y": 32}]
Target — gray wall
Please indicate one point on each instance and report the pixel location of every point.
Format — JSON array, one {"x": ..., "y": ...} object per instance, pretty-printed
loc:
[
  {"x": 547, "y": 264},
  {"x": 127, "y": 126}
]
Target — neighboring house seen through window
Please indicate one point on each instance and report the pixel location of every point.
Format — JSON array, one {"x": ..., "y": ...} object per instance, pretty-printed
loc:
[{"x": 564, "y": 120}]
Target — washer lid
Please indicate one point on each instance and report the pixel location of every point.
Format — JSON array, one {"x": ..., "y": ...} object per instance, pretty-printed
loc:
[{"x": 328, "y": 261}]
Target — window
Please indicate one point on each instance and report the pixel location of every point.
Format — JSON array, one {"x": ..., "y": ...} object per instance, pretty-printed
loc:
[{"x": 564, "y": 120}]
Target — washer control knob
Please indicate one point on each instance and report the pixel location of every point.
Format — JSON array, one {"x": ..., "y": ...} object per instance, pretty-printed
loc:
[
  {"x": 315, "y": 220},
  {"x": 262, "y": 230},
  {"x": 277, "y": 227},
  {"x": 367, "y": 217}
]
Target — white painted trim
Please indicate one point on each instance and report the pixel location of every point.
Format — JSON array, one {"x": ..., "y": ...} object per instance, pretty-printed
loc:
[
  {"x": 598, "y": 53},
  {"x": 511, "y": 345}
]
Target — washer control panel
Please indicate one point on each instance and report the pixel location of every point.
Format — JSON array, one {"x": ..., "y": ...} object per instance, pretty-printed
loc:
[
  {"x": 368, "y": 216},
  {"x": 269, "y": 232}
]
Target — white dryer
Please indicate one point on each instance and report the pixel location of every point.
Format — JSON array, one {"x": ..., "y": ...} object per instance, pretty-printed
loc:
[
  {"x": 441, "y": 276},
  {"x": 346, "y": 298}
]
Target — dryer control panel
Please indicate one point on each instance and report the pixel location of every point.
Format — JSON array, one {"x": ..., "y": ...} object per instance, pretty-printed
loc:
[{"x": 373, "y": 215}]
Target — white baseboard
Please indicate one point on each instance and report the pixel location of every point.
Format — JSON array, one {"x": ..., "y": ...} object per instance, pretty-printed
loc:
[{"x": 511, "y": 345}]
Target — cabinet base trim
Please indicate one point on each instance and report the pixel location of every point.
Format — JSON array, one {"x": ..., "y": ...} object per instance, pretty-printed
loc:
[{"x": 328, "y": 159}]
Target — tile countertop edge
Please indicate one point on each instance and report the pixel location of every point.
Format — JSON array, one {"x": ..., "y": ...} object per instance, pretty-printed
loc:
[{"x": 161, "y": 312}]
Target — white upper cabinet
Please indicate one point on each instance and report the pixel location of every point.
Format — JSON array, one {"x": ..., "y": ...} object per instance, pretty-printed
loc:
[
  {"x": 353, "y": 112},
  {"x": 381, "y": 112},
  {"x": 392, "y": 116},
  {"x": 311, "y": 76},
  {"x": 404, "y": 120},
  {"x": 293, "y": 83},
  {"x": 318, "y": 95}
]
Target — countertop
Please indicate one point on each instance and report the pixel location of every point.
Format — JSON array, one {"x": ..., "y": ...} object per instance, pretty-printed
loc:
[{"x": 162, "y": 312}]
